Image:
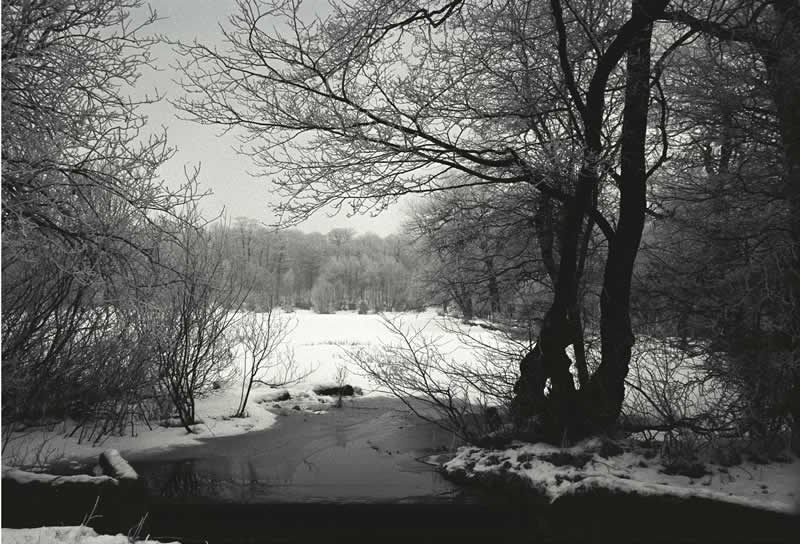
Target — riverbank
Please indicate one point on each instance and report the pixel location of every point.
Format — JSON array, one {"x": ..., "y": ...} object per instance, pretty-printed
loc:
[
  {"x": 601, "y": 473},
  {"x": 319, "y": 343},
  {"x": 354, "y": 474}
]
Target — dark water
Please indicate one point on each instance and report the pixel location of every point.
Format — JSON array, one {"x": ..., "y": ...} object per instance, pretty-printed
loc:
[
  {"x": 351, "y": 475},
  {"x": 354, "y": 475},
  {"x": 368, "y": 451}
]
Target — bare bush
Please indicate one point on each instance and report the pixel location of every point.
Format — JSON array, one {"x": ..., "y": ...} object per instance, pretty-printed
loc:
[
  {"x": 495, "y": 350},
  {"x": 80, "y": 192},
  {"x": 341, "y": 380},
  {"x": 265, "y": 356},
  {"x": 30, "y": 451},
  {"x": 80, "y": 360},
  {"x": 675, "y": 396},
  {"x": 764, "y": 382},
  {"x": 458, "y": 396},
  {"x": 190, "y": 319}
]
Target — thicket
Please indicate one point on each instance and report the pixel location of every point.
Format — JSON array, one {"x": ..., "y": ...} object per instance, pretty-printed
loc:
[{"x": 118, "y": 304}]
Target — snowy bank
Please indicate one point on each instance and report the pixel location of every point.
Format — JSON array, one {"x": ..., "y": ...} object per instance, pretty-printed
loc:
[
  {"x": 63, "y": 535},
  {"x": 319, "y": 343},
  {"x": 107, "y": 501},
  {"x": 554, "y": 473},
  {"x": 22, "y": 477},
  {"x": 112, "y": 466},
  {"x": 38, "y": 447}
]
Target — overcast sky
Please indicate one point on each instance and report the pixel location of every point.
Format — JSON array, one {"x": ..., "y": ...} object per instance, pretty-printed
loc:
[{"x": 222, "y": 170}]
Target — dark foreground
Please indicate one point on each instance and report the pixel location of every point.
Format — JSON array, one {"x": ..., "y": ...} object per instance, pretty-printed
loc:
[
  {"x": 494, "y": 520},
  {"x": 353, "y": 475}
]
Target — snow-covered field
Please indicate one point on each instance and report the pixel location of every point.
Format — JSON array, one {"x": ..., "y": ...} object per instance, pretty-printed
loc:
[{"x": 319, "y": 343}]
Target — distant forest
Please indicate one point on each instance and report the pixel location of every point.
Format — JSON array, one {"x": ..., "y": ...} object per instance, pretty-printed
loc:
[
  {"x": 340, "y": 270},
  {"x": 433, "y": 261}
]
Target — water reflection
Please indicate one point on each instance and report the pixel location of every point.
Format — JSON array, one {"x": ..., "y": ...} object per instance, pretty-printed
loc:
[
  {"x": 180, "y": 479},
  {"x": 346, "y": 455}
]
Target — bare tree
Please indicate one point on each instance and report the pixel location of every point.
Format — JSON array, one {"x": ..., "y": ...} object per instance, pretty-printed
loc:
[
  {"x": 265, "y": 356},
  {"x": 345, "y": 116},
  {"x": 74, "y": 142},
  {"x": 79, "y": 197},
  {"x": 769, "y": 31},
  {"x": 416, "y": 368},
  {"x": 191, "y": 317},
  {"x": 340, "y": 379}
]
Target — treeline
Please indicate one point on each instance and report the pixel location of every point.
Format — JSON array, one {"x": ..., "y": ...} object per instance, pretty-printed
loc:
[{"x": 329, "y": 272}]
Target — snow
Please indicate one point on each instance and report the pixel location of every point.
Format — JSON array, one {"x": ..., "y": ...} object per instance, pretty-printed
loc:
[
  {"x": 62, "y": 535},
  {"x": 774, "y": 487},
  {"x": 120, "y": 468},
  {"x": 666, "y": 383},
  {"x": 319, "y": 343},
  {"x": 23, "y": 477},
  {"x": 216, "y": 409}
]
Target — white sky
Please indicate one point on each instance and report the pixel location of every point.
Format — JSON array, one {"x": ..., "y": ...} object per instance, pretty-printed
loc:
[{"x": 223, "y": 171}]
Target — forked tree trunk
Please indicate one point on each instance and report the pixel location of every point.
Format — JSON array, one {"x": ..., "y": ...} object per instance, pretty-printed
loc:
[
  {"x": 606, "y": 389},
  {"x": 559, "y": 413}
]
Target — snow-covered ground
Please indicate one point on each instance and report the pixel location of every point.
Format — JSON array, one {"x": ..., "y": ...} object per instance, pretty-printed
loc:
[
  {"x": 319, "y": 343},
  {"x": 63, "y": 535},
  {"x": 555, "y": 472}
]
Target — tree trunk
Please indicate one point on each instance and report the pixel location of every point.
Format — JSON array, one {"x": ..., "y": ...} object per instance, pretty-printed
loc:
[
  {"x": 543, "y": 222},
  {"x": 463, "y": 299},
  {"x": 494, "y": 291},
  {"x": 782, "y": 60},
  {"x": 580, "y": 352},
  {"x": 606, "y": 389},
  {"x": 552, "y": 416},
  {"x": 466, "y": 305},
  {"x": 560, "y": 414}
]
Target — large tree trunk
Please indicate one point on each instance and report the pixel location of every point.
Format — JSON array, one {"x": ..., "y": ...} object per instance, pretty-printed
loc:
[
  {"x": 607, "y": 386},
  {"x": 561, "y": 413},
  {"x": 554, "y": 417},
  {"x": 782, "y": 59}
]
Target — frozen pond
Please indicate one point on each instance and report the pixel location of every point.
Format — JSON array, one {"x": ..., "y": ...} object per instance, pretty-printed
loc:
[{"x": 370, "y": 450}]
